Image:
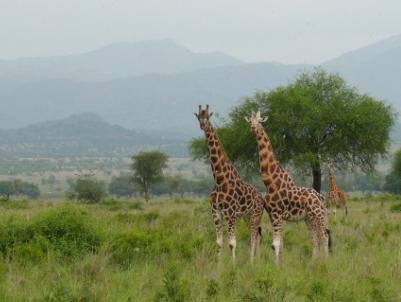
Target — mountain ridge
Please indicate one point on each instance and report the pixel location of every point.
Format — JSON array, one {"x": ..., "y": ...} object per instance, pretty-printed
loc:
[
  {"x": 85, "y": 134},
  {"x": 118, "y": 60}
]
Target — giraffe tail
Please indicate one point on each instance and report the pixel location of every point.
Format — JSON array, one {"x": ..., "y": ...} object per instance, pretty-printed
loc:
[{"x": 330, "y": 241}]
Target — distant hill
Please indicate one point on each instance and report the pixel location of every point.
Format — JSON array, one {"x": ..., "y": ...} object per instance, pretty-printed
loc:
[
  {"x": 157, "y": 85},
  {"x": 117, "y": 60},
  {"x": 374, "y": 69},
  {"x": 85, "y": 134},
  {"x": 151, "y": 102}
]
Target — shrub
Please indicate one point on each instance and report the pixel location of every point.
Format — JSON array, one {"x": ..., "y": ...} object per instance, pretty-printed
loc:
[
  {"x": 130, "y": 245},
  {"x": 64, "y": 230},
  {"x": 136, "y": 205},
  {"x": 122, "y": 185},
  {"x": 174, "y": 289},
  {"x": 86, "y": 189},
  {"x": 396, "y": 208},
  {"x": 68, "y": 231}
]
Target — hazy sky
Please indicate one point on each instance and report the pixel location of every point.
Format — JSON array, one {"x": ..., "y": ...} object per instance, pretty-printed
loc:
[{"x": 289, "y": 31}]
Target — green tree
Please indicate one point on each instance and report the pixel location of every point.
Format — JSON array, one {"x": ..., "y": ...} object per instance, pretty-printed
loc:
[
  {"x": 148, "y": 169},
  {"x": 86, "y": 188},
  {"x": 317, "y": 117},
  {"x": 28, "y": 189},
  {"x": 7, "y": 188},
  {"x": 18, "y": 187},
  {"x": 393, "y": 180},
  {"x": 122, "y": 186}
]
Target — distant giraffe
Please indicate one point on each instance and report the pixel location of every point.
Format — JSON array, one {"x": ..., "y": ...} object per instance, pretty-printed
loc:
[
  {"x": 231, "y": 197},
  {"x": 335, "y": 196},
  {"x": 285, "y": 200}
]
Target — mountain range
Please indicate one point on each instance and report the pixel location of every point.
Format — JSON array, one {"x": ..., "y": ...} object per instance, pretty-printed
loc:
[
  {"x": 85, "y": 134},
  {"x": 157, "y": 85}
]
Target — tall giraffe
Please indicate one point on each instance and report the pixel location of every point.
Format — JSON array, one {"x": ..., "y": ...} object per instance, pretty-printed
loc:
[
  {"x": 285, "y": 200},
  {"x": 335, "y": 194},
  {"x": 231, "y": 197}
]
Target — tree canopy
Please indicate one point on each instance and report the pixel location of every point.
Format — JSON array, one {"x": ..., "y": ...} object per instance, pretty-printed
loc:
[
  {"x": 122, "y": 186},
  {"x": 148, "y": 169},
  {"x": 18, "y": 187},
  {"x": 86, "y": 188},
  {"x": 315, "y": 118},
  {"x": 393, "y": 180}
]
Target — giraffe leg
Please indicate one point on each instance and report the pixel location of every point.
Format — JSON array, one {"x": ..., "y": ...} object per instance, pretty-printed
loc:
[
  {"x": 218, "y": 225},
  {"x": 232, "y": 242},
  {"x": 323, "y": 236},
  {"x": 256, "y": 234},
  {"x": 334, "y": 205},
  {"x": 277, "y": 244},
  {"x": 315, "y": 238},
  {"x": 251, "y": 231}
]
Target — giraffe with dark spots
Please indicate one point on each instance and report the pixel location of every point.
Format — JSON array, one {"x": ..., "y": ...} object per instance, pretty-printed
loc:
[
  {"x": 285, "y": 200},
  {"x": 231, "y": 198},
  {"x": 335, "y": 196}
]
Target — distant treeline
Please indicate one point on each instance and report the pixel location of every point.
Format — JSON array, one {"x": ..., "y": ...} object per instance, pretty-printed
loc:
[{"x": 10, "y": 188}]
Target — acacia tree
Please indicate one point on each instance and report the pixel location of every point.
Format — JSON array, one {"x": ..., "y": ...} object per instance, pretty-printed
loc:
[
  {"x": 393, "y": 180},
  {"x": 148, "y": 169},
  {"x": 317, "y": 117}
]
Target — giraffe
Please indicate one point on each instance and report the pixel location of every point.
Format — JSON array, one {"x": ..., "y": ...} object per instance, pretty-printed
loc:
[
  {"x": 335, "y": 194},
  {"x": 231, "y": 198},
  {"x": 285, "y": 201}
]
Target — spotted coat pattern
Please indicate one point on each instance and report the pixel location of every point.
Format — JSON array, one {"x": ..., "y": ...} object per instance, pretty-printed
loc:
[
  {"x": 287, "y": 201},
  {"x": 335, "y": 196},
  {"x": 231, "y": 197}
]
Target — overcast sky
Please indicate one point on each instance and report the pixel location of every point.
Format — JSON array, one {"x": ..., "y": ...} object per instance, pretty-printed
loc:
[{"x": 288, "y": 31}]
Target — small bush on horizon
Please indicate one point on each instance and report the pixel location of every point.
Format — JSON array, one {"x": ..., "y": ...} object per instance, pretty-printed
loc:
[{"x": 86, "y": 189}]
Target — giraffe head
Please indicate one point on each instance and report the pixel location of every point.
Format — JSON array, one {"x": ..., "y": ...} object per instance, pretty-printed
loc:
[
  {"x": 329, "y": 164},
  {"x": 256, "y": 121},
  {"x": 203, "y": 117}
]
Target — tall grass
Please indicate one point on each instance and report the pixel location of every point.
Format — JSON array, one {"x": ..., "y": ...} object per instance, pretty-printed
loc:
[{"x": 164, "y": 251}]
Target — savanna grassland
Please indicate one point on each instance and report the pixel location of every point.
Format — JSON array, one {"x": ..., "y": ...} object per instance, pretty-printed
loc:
[{"x": 127, "y": 250}]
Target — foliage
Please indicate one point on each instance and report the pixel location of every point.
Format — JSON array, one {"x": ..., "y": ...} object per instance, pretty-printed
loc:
[
  {"x": 64, "y": 230},
  {"x": 148, "y": 169},
  {"x": 18, "y": 187},
  {"x": 122, "y": 186},
  {"x": 180, "y": 263},
  {"x": 315, "y": 118},
  {"x": 393, "y": 179},
  {"x": 178, "y": 185},
  {"x": 86, "y": 189}
]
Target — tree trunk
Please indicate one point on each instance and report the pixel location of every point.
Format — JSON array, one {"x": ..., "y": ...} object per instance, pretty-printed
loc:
[{"x": 317, "y": 177}]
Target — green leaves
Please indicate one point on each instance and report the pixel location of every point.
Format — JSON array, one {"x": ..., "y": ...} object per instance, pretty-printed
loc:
[
  {"x": 148, "y": 169},
  {"x": 317, "y": 117}
]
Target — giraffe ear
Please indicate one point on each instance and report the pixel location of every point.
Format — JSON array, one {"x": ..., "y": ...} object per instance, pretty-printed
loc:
[
  {"x": 264, "y": 119},
  {"x": 246, "y": 118},
  {"x": 210, "y": 114},
  {"x": 197, "y": 115}
]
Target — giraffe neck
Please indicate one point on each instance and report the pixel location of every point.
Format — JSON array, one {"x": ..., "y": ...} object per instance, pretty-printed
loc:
[
  {"x": 222, "y": 168},
  {"x": 332, "y": 180},
  {"x": 273, "y": 176}
]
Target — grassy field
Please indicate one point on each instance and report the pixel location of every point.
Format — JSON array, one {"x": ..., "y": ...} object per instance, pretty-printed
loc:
[{"x": 164, "y": 251}]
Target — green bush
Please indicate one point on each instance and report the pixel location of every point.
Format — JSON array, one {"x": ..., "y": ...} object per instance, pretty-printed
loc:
[
  {"x": 136, "y": 205},
  {"x": 174, "y": 288},
  {"x": 130, "y": 245},
  {"x": 396, "y": 208},
  {"x": 68, "y": 230},
  {"x": 65, "y": 230},
  {"x": 86, "y": 189}
]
